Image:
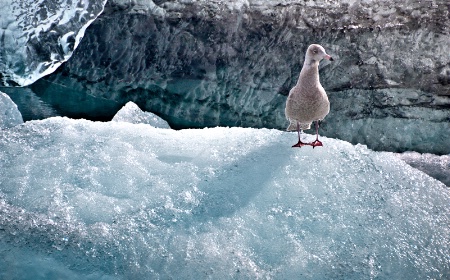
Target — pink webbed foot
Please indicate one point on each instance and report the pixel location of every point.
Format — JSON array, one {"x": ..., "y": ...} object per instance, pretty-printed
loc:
[
  {"x": 316, "y": 143},
  {"x": 300, "y": 144}
]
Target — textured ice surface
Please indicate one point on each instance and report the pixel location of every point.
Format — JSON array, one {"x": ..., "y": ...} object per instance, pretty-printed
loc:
[
  {"x": 232, "y": 63},
  {"x": 37, "y": 36},
  {"x": 132, "y": 114},
  {"x": 9, "y": 114},
  {"x": 115, "y": 200},
  {"x": 436, "y": 166}
]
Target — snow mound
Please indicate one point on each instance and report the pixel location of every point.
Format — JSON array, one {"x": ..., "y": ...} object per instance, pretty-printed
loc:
[
  {"x": 9, "y": 113},
  {"x": 91, "y": 200},
  {"x": 132, "y": 114}
]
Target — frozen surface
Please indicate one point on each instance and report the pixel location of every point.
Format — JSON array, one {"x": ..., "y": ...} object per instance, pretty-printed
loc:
[
  {"x": 9, "y": 114},
  {"x": 115, "y": 200},
  {"x": 232, "y": 63},
  {"x": 37, "y": 36},
  {"x": 436, "y": 166},
  {"x": 133, "y": 114}
]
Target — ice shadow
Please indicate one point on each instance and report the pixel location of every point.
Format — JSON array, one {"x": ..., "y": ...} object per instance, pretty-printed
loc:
[{"x": 239, "y": 182}]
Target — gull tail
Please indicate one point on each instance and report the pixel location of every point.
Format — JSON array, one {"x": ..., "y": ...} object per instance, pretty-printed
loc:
[{"x": 292, "y": 127}]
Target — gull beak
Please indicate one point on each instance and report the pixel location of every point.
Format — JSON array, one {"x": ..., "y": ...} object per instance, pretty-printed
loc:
[{"x": 328, "y": 57}]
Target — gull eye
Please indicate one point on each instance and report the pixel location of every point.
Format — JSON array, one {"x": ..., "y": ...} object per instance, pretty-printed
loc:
[{"x": 314, "y": 51}]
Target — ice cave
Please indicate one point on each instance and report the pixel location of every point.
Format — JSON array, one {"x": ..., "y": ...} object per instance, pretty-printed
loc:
[{"x": 147, "y": 140}]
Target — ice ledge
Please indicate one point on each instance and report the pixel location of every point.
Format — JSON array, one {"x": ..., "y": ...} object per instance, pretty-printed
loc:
[{"x": 116, "y": 199}]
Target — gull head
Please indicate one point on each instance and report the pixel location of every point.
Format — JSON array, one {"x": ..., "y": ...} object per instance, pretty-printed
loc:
[{"x": 317, "y": 53}]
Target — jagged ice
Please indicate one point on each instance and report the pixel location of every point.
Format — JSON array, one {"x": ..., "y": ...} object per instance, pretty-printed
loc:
[{"x": 118, "y": 200}]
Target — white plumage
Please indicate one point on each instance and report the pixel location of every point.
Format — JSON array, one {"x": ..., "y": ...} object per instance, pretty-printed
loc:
[{"x": 307, "y": 101}]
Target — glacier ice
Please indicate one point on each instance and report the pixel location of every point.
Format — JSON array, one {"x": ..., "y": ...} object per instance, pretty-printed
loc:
[
  {"x": 232, "y": 63},
  {"x": 38, "y": 36},
  {"x": 436, "y": 166},
  {"x": 9, "y": 114},
  {"x": 133, "y": 114},
  {"x": 117, "y": 200}
]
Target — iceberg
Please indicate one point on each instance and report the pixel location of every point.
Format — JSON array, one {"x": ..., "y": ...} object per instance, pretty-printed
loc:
[
  {"x": 133, "y": 114},
  {"x": 119, "y": 200},
  {"x": 232, "y": 63},
  {"x": 9, "y": 113},
  {"x": 38, "y": 36}
]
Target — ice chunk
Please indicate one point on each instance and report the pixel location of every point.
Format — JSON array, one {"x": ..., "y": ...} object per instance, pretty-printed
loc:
[
  {"x": 30, "y": 106},
  {"x": 9, "y": 114},
  {"x": 132, "y": 114},
  {"x": 436, "y": 166},
  {"x": 37, "y": 36},
  {"x": 126, "y": 201}
]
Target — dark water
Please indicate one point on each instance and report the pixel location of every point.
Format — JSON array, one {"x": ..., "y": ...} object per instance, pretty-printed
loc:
[{"x": 44, "y": 99}]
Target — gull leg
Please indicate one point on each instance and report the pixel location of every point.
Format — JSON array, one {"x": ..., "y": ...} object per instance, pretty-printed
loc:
[
  {"x": 300, "y": 143},
  {"x": 316, "y": 143}
]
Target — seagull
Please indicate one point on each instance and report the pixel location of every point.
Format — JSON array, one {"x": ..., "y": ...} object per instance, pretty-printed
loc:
[{"x": 307, "y": 101}]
